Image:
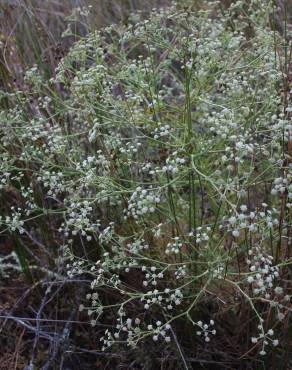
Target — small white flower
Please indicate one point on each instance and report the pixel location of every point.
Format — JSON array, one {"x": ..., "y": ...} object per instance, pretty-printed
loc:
[
  {"x": 250, "y": 279},
  {"x": 235, "y": 233},
  {"x": 278, "y": 290}
]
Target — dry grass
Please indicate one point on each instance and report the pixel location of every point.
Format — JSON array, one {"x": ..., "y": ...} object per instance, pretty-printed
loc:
[{"x": 31, "y": 30}]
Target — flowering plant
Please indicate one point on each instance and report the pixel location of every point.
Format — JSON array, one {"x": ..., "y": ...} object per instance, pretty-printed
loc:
[{"x": 162, "y": 151}]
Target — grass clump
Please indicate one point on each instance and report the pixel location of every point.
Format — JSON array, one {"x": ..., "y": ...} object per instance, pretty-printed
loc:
[{"x": 156, "y": 163}]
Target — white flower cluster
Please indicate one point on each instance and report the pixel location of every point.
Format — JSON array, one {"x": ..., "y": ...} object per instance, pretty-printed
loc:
[
  {"x": 282, "y": 185},
  {"x": 79, "y": 215},
  {"x": 137, "y": 246},
  {"x": 201, "y": 234},
  {"x": 53, "y": 181},
  {"x": 14, "y": 222},
  {"x": 173, "y": 163},
  {"x": 160, "y": 330},
  {"x": 130, "y": 148},
  {"x": 142, "y": 201},
  {"x": 175, "y": 246},
  {"x": 33, "y": 76},
  {"x": 101, "y": 272},
  {"x": 161, "y": 131},
  {"x": 122, "y": 262},
  {"x": 167, "y": 298},
  {"x": 181, "y": 272},
  {"x": 151, "y": 275},
  {"x": 254, "y": 221},
  {"x": 75, "y": 268},
  {"x": 129, "y": 330},
  {"x": 30, "y": 203},
  {"x": 206, "y": 330},
  {"x": 265, "y": 339},
  {"x": 148, "y": 168},
  {"x": 264, "y": 273}
]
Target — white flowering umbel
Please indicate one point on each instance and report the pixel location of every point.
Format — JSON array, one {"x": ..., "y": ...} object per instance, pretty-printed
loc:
[
  {"x": 264, "y": 274},
  {"x": 142, "y": 202},
  {"x": 206, "y": 330}
]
